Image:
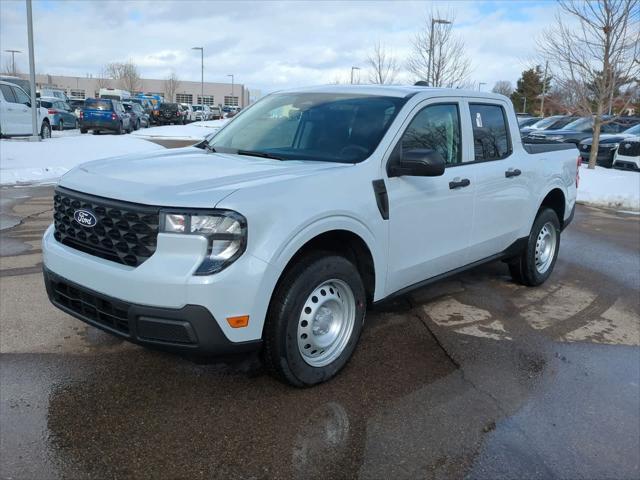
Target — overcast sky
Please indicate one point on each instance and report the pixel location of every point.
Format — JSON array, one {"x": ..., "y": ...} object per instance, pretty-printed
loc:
[{"x": 266, "y": 45}]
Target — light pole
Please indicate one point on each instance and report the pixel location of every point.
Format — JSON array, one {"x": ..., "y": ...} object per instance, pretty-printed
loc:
[
  {"x": 434, "y": 21},
  {"x": 232, "y": 95},
  {"x": 480, "y": 85},
  {"x": 32, "y": 77},
  {"x": 201, "y": 75},
  {"x": 13, "y": 59},
  {"x": 352, "y": 69}
]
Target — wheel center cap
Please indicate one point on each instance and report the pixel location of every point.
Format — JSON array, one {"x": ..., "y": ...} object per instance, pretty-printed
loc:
[{"x": 322, "y": 321}]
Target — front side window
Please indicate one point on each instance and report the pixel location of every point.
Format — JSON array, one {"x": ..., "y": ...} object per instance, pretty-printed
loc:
[
  {"x": 436, "y": 127},
  {"x": 330, "y": 127},
  {"x": 7, "y": 93},
  {"x": 490, "y": 132},
  {"x": 21, "y": 97}
]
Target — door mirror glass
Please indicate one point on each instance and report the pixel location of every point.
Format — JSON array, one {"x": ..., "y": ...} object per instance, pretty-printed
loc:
[{"x": 421, "y": 163}]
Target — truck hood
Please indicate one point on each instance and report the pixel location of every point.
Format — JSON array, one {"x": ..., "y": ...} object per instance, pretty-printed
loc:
[{"x": 184, "y": 177}]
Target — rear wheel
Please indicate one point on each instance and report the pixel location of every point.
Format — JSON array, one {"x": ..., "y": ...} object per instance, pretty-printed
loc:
[
  {"x": 535, "y": 264},
  {"x": 138, "y": 125},
  {"x": 314, "y": 320},
  {"x": 45, "y": 130}
]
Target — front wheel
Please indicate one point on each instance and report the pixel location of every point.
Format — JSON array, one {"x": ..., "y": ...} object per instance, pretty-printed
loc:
[
  {"x": 314, "y": 320},
  {"x": 535, "y": 264}
]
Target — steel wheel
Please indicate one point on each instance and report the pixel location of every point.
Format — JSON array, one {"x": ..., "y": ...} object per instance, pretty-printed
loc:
[
  {"x": 326, "y": 322},
  {"x": 545, "y": 247}
]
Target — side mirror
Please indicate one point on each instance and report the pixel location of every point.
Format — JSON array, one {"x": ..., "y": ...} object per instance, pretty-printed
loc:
[{"x": 419, "y": 163}]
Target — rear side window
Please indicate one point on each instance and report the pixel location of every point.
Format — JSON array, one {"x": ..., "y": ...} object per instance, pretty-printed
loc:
[
  {"x": 7, "y": 93},
  {"x": 490, "y": 132},
  {"x": 436, "y": 127},
  {"x": 46, "y": 104}
]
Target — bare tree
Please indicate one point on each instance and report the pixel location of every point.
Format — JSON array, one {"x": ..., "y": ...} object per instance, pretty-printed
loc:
[
  {"x": 171, "y": 85},
  {"x": 127, "y": 75},
  {"x": 597, "y": 57},
  {"x": 503, "y": 87},
  {"x": 7, "y": 68},
  {"x": 438, "y": 55},
  {"x": 102, "y": 79},
  {"x": 383, "y": 64}
]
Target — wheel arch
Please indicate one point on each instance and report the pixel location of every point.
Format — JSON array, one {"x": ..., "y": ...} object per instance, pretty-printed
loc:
[{"x": 555, "y": 200}]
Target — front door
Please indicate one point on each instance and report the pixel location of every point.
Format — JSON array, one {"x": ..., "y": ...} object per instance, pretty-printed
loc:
[{"x": 430, "y": 218}]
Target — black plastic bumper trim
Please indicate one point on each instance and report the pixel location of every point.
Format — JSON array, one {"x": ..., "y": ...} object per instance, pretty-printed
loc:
[{"x": 202, "y": 334}]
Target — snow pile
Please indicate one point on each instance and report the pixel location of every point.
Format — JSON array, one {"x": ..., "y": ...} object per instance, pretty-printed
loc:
[
  {"x": 22, "y": 161},
  {"x": 194, "y": 131},
  {"x": 610, "y": 188}
]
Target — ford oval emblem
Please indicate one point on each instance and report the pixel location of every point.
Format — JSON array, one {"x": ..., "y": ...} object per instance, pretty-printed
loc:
[{"x": 86, "y": 218}]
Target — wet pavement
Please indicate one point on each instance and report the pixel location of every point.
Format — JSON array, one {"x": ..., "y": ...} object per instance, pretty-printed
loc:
[{"x": 473, "y": 377}]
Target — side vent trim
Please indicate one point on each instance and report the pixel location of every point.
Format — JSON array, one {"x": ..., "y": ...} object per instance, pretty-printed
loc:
[{"x": 382, "y": 199}]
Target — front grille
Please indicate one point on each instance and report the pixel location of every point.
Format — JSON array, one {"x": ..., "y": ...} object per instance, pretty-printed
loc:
[
  {"x": 90, "y": 306},
  {"x": 124, "y": 232},
  {"x": 633, "y": 150}
]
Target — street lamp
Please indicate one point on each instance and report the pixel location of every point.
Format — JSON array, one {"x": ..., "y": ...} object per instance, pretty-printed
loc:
[
  {"x": 201, "y": 74},
  {"x": 352, "y": 69},
  {"x": 434, "y": 21},
  {"x": 13, "y": 59},
  {"x": 232, "y": 95}
]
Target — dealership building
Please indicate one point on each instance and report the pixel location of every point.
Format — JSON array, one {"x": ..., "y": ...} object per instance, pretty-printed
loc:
[{"x": 223, "y": 94}]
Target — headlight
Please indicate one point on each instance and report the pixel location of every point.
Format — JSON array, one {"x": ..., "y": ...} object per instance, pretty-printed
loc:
[{"x": 226, "y": 232}]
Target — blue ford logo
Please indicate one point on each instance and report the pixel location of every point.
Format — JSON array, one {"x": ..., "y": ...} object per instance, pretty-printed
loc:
[{"x": 86, "y": 218}]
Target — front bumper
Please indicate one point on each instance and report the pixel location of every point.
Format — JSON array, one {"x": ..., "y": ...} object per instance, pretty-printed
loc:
[
  {"x": 190, "y": 329},
  {"x": 165, "y": 281}
]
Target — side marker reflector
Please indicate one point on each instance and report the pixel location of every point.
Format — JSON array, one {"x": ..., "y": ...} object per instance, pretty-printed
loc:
[{"x": 238, "y": 322}]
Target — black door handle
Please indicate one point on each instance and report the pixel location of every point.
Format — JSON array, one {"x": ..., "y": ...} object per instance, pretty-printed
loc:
[
  {"x": 465, "y": 182},
  {"x": 512, "y": 173}
]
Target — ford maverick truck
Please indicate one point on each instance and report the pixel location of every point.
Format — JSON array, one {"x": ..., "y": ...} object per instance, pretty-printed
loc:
[{"x": 279, "y": 231}]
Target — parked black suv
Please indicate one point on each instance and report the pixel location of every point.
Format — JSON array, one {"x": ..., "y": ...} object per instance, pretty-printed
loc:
[{"x": 170, "y": 113}]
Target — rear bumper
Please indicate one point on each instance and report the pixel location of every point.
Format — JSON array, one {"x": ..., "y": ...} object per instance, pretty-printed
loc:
[
  {"x": 92, "y": 125},
  {"x": 190, "y": 329}
]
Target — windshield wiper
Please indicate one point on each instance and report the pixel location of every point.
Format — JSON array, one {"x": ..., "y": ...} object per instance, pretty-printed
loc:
[{"x": 253, "y": 153}]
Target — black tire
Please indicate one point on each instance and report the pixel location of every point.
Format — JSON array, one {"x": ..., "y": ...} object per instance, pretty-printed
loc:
[
  {"x": 281, "y": 354},
  {"x": 96, "y": 132},
  {"x": 83, "y": 130},
  {"x": 75, "y": 124},
  {"x": 45, "y": 130},
  {"x": 523, "y": 268}
]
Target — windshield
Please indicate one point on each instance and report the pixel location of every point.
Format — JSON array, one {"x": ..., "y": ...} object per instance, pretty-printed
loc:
[
  {"x": 328, "y": 127},
  {"x": 579, "y": 124},
  {"x": 545, "y": 122},
  {"x": 635, "y": 130}
]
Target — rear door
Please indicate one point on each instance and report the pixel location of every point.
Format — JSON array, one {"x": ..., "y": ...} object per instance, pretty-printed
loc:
[
  {"x": 430, "y": 218},
  {"x": 503, "y": 180},
  {"x": 21, "y": 107},
  {"x": 10, "y": 112}
]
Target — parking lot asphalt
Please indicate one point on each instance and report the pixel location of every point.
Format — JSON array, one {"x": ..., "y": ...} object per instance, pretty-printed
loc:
[{"x": 473, "y": 377}]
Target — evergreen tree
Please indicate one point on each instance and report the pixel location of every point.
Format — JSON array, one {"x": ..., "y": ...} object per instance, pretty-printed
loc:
[{"x": 529, "y": 87}]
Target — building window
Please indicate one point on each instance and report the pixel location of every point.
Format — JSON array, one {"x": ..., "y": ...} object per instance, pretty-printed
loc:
[
  {"x": 184, "y": 98},
  {"x": 77, "y": 94},
  {"x": 230, "y": 101},
  {"x": 208, "y": 100}
]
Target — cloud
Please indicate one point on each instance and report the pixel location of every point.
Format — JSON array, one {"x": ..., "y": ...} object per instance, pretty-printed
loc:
[{"x": 266, "y": 45}]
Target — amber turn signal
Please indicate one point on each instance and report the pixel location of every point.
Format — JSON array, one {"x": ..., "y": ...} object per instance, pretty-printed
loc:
[{"x": 238, "y": 322}]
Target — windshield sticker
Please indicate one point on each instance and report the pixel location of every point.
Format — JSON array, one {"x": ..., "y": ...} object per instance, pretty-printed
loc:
[{"x": 478, "y": 120}]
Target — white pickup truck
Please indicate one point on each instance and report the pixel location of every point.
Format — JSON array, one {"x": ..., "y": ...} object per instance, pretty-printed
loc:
[{"x": 280, "y": 230}]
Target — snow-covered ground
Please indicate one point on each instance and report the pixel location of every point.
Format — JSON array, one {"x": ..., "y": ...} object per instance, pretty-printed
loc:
[
  {"x": 194, "y": 131},
  {"x": 610, "y": 188},
  {"x": 22, "y": 161}
]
